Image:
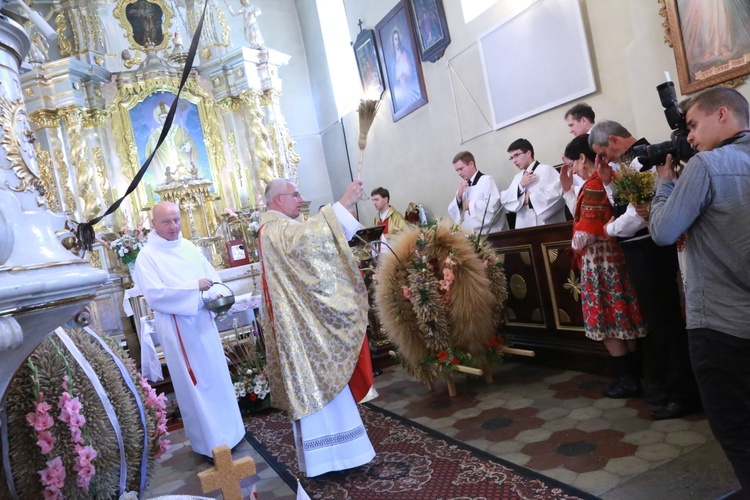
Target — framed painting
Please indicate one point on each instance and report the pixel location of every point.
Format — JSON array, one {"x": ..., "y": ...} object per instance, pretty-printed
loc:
[
  {"x": 711, "y": 41},
  {"x": 431, "y": 28},
  {"x": 398, "y": 51},
  {"x": 368, "y": 64},
  {"x": 146, "y": 23},
  {"x": 182, "y": 154}
]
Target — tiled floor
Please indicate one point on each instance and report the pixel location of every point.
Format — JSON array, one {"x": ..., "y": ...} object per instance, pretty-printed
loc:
[{"x": 552, "y": 421}]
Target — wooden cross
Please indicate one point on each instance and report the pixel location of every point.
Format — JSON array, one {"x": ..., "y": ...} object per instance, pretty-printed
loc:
[
  {"x": 226, "y": 474},
  {"x": 360, "y": 23}
]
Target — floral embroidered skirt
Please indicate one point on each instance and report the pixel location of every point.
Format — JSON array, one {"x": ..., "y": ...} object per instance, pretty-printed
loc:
[{"x": 610, "y": 307}]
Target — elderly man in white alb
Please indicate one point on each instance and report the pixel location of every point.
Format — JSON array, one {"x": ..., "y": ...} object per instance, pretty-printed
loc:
[
  {"x": 314, "y": 320},
  {"x": 476, "y": 205},
  {"x": 171, "y": 272},
  {"x": 535, "y": 194}
]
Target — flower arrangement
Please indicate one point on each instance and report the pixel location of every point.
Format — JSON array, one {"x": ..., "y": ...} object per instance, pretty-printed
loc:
[
  {"x": 246, "y": 352},
  {"x": 128, "y": 242},
  {"x": 60, "y": 440},
  {"x": 631, "y": 186},
  {"x": 439, "y": 295}
]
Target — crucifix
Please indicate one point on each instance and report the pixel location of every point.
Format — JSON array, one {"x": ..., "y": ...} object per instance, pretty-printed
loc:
[{"x": 360, "y": 23}]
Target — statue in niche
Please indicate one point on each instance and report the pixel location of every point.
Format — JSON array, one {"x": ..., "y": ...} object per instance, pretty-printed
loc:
[
  {"x": 146, "y": 18},
  {"x": 177, "y": 157},
  {"x": 250, "y": 15}
]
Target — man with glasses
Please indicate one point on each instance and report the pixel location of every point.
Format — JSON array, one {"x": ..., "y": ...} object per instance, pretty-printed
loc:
[
  {"x": 314, "y": 319},
  {"x": 535, "y": 194}
]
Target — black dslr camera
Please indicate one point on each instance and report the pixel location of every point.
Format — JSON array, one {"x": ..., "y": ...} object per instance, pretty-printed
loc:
[{"x": 678, "y": 146}]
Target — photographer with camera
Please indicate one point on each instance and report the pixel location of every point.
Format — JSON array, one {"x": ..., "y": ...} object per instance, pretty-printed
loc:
[
  {"x": 711, "y": 201},
  {"x": 653, "y": 272}
]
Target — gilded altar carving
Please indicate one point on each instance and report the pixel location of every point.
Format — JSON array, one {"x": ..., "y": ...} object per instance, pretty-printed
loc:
[
  {"x": 45, "y": 118},
  {"x": 101, "y": 170},
  {"x": 18, "y": 142},
  {"x": 47, "y": 176},
  {"x": 62, "y": 41},
  {"x": 84, "y": 168},
  {"x": 62, "y": 166},
  {"x": 95, "y": 259},
  {"x": 146, "y": 23},
  {"x": 95, "y": 118}
]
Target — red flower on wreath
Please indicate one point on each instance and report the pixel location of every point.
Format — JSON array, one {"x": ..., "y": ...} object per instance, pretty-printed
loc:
[
  {"x": 442, "y": 356},
  {"x": 253, "y": 397},
  {"x": 455, "y": 361}
]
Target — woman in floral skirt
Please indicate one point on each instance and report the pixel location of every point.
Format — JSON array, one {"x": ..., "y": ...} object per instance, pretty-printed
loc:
[{"x": 611, "y": 312}]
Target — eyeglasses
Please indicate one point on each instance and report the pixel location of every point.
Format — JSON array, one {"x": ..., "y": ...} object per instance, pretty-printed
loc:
[
  {"x": 296, "y": 194},
  {"x": 515, "y": 155}
]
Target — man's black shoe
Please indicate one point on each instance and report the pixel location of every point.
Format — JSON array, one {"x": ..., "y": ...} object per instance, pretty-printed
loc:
[
  {"x": 673, "y": 410},
  {"x": 658, "y": 399},
  {"x": 377, "y": 373},
  {"x": 623, "y": 388}
]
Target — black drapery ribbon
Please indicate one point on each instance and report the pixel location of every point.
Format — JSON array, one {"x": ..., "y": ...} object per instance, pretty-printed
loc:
[{"x": 85, "y": 230}]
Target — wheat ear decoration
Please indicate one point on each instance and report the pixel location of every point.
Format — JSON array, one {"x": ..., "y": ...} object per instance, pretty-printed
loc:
[{"x": 367, "y": 110}]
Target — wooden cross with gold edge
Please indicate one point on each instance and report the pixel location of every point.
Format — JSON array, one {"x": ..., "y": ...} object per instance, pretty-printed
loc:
[{"x": 226, "y": 474}]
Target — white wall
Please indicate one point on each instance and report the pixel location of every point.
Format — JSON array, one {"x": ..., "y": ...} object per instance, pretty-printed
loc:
[{"x": 412, "y": 156}]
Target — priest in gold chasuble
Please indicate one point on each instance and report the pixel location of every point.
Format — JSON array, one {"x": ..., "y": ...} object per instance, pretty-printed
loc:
[{"x": 314, "y": 320}]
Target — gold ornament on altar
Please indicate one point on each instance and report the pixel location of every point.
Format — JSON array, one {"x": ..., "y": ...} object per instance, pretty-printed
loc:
[
  {"x": 367, "y": 110},
  {"x": 18, "y": 142}
]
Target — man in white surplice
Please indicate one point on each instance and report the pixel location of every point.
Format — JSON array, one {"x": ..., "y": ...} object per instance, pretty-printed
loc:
[
  {"x": 171, "y": 273},
  {"x": 535, "y": 194},
  {"x": 476, "y": 205},
  {"x": 314, "y": 320}
]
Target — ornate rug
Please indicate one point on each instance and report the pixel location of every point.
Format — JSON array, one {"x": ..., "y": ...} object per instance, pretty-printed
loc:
[{"x": 412, "y": 462}]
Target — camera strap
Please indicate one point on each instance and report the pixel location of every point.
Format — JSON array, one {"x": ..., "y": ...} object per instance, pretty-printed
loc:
[{"x": 739, "y": 135}]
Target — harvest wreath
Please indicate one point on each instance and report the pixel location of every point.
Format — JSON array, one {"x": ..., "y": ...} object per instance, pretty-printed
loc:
[{"x": 439, "y": 295}]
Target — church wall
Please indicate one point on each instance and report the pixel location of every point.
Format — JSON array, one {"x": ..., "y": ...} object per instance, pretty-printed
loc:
[
  {"x": 412, "y": 157},
  {"x": 284, "y": 28}
]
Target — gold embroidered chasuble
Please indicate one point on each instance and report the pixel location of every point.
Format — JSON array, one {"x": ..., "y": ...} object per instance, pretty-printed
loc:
[{"x": 314, "y": 310}]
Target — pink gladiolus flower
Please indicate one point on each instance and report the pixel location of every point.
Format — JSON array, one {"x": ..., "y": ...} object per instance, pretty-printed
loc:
[
  {"x": 53, "y": 476},
  {"x": 65, "y": 383},
  {"x": 449, "y": 261},
  {"x": 163, "y": 447},
  {"x": 53, "y": 495},
  {"x": 39, "y": 421},
  {"x": 75, "y": 435},
  {"x": 64, "y": 398},
  {"x": 42, "y": 407},
  {"x": 46, "y": 442},
  {"x": 85, "y": 473},
  {"x": 407, "y": 293},
  {"x": 448, "y": 274},
  {"x": 85, "y": 454}
]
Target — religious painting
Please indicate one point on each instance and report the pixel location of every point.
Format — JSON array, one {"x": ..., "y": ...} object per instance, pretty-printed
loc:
[
  {"x": 183, "y": 153},
  {"x": 711, "y": 41},
  {"x": 368, "y": 64},
  {"x": 146, "y": 23},
  {"x": 398, "y": 51},
  {"x": 430, "y": 27}
]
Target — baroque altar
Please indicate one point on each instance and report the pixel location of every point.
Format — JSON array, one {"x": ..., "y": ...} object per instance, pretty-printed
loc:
[{"x": 96, "y": 99}]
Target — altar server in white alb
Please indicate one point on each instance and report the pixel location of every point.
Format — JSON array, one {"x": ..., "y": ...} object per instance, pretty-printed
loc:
[
  {"x": 535, "y": 194},
  {"x": 171, "y": 272},
  {"x": 476, "y": 205},
  {"x": 314, "y": 320}
]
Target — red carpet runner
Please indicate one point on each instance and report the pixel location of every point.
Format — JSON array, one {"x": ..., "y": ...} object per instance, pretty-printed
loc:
[{"x": 413, "y": 462}]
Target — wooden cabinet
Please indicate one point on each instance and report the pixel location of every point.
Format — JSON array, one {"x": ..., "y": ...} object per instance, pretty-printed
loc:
[{"x": 543, "y": 312}]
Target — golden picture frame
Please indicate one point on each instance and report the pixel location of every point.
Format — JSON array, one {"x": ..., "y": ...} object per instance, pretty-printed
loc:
[
  {"x": 147, "y": 23},
  {"x": 702, "y": 62}
]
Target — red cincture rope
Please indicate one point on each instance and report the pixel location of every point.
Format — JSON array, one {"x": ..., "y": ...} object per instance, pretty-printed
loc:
[{"x": 184, "y": 353}]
